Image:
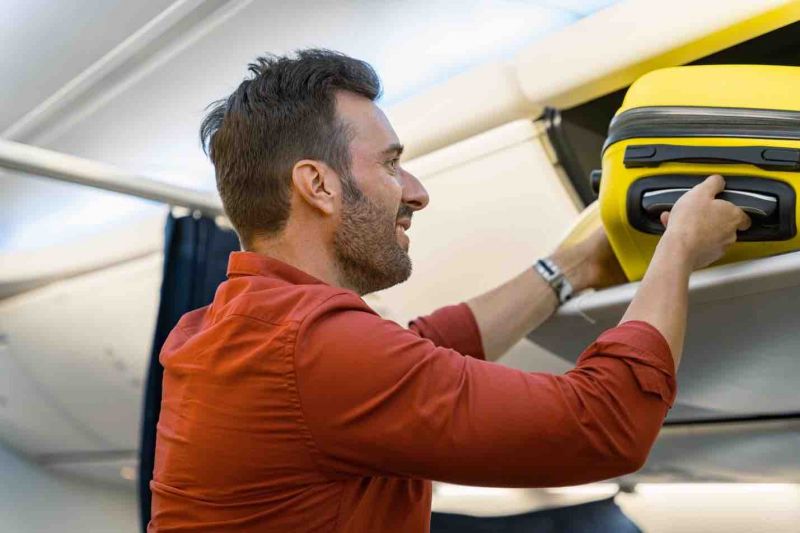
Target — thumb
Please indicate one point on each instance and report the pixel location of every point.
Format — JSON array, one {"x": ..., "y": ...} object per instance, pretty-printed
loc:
[{"x": 665, "y": 218}]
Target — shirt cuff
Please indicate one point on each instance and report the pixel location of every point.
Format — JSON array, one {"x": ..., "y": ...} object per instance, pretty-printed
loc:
[
  {"x": 645, "y": 350},
  {"x": 452, "y": 327}
]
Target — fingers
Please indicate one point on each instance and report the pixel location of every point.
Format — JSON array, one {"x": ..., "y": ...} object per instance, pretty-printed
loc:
[
  {"x": 713, "y": 185},
  {"x": 737, "y": 215},
  {"x": 744, "y": 221},
  {"x": 664, "y": 218}
]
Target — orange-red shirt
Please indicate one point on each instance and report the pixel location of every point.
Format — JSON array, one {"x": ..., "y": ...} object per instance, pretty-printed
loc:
[{"x": 289, "y": 405}]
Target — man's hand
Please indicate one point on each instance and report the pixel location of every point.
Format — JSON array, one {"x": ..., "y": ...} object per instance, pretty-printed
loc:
[
  {"x": 704, "y": 225},
  {"x": 590, "y": 263}
]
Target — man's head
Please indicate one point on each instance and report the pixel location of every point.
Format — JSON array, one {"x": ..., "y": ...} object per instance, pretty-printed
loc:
[{"x": 302, "y": 153}]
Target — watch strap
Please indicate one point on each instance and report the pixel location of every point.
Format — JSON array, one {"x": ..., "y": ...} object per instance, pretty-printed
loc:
[{"x": 554, "y": 277}]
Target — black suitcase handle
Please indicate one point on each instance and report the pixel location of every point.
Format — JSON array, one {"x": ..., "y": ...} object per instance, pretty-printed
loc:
[
  {"x": 758, "y": 206},
  {"x": 766, "y": 157},
  {"x": 769, "y": 202}
]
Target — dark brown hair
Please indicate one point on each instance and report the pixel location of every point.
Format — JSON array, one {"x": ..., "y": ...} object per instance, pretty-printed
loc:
[{"x": 283, "y": 112}]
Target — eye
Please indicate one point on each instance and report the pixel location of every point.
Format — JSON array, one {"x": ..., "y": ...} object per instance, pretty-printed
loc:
[{"x": 393, "y": 164}]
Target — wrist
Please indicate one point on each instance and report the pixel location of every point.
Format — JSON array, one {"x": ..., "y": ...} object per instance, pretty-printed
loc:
[
  {"x": 675, "y": 251},
  {"x": 575, "y": 267},
  {"x": 676, "y": 246}
]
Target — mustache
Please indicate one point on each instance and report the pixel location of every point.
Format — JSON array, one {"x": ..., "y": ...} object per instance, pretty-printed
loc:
[{"x": 405, "y": 211}]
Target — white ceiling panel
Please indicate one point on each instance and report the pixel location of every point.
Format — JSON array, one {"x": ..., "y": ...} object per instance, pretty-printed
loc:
[
  {"x": 46, "y": 43},
  {"x": 579, "y": 7}
]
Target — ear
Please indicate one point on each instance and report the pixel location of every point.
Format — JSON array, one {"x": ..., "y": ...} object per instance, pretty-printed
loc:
[{"x": 317, "y": 184}]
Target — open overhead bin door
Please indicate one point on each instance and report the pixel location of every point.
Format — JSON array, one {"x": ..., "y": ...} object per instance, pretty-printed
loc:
[
  {"x": 741, "y": 356},
  {"x": 742, "y": 352}
]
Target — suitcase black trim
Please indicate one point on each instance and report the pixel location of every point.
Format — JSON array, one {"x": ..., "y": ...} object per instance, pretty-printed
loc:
[
  {"x": 765, "y": 157},
  {"x": 687, "y": 121}
]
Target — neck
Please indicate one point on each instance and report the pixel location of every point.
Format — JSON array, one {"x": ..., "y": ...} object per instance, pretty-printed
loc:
[{"x": 302, "y": 250}]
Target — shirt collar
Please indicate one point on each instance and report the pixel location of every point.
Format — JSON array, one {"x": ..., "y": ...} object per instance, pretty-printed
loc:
[{"x": 253, "y": 264}]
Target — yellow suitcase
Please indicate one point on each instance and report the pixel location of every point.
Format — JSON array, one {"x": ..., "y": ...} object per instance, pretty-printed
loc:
[{"x": 679, "y": 125}]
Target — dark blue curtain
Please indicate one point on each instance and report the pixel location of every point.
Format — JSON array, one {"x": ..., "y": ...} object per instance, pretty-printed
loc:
[
  {"x": 195, "y": 262},
  {"x": 602, "y": 516}
]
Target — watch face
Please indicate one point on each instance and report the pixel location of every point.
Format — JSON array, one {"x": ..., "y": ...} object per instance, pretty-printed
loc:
[
  {"x": 548, "y": 274},
  {"x": 546, "y": 269},
  {"x": 549, "y": 267}
]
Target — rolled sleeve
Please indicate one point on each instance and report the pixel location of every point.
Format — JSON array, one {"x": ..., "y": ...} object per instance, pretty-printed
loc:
[{"x": 646, "y": 352}]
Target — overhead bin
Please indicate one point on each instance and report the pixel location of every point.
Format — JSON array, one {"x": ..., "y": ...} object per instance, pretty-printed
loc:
[
  {"x": 557, "y": 71},
  {"x": 657, "y": 34},
  {"x": 465, "y": 105},
  {"x": 740, "y": 356},
  {"x": 581, "y": 131},
  {"x": 28, "y": 266},
  {"x": 29, "y": 421},
  {"x": 751, "y": 451},
  {"x": 22, "y": 270},
  {"x": 742, "y": 343},
  {"x": 73, "y": 360}
]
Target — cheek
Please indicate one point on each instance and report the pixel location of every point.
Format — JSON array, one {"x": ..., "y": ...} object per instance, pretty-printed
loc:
[
  {"x": 390, "y": 194},
  {"x": 384, "y": 190},
  {"x": 396, "y": 188}
]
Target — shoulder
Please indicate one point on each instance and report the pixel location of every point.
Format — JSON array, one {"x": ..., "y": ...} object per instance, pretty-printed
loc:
[
  {"x": 291, "y": 303},
  {"x": 344, "y": 329}
]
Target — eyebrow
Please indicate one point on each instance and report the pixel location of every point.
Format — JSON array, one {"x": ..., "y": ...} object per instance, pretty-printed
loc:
[{"x": 393, "y": 149}]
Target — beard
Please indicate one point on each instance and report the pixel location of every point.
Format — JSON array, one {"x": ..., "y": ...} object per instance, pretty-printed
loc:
[{"x": 367, "y": 253}]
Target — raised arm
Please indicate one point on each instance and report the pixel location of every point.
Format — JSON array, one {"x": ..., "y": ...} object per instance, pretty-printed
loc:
[
  {"x": 379, "y": 400},
  {"x": 699, "y": 230}
]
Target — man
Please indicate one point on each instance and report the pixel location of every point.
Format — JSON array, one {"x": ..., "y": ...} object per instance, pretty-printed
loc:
[{"x": 289, "y": 405}]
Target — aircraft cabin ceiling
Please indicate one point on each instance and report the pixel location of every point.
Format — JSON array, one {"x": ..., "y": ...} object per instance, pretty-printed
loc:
[{"x": 126, "y": 83}]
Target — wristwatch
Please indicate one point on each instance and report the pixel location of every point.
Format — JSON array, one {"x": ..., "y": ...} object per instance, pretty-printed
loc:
[{"x": 555, "y": 278}]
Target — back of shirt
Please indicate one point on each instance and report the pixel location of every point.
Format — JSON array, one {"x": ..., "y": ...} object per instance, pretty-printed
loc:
[
  {"x": 234, "y": 452},
  {"x": 289, "y": 405}
]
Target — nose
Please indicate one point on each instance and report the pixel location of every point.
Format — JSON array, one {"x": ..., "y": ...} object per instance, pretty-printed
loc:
[{"x": 414, "y": 193}]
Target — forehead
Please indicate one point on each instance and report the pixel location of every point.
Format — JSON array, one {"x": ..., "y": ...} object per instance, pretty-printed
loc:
[{"x": 372, "y": 131}]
